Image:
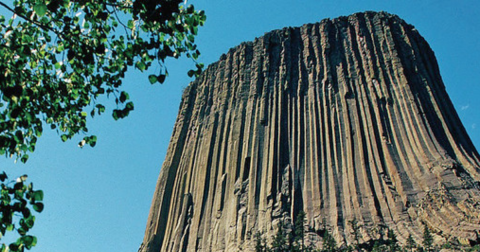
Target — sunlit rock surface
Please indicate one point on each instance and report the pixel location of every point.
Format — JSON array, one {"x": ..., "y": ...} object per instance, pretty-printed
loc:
[{"x": 344, "y": 119}]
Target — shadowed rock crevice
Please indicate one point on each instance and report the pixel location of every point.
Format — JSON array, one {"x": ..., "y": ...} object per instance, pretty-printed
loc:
[{"x": 343, "y": 119}]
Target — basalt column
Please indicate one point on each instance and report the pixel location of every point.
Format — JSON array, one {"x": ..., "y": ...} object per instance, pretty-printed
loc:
[{"x": 343, "y": 119}]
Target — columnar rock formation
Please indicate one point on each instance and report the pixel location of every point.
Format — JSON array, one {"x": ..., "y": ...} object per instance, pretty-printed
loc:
[{"x": 344, "y": 119}]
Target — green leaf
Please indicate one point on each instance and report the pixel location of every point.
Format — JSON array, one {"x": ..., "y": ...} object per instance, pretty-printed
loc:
[
  {"x": 129, "y": 106},
  {"x": 38, "y": 131},
  {"x": 101, "y": 108},
  {"x": 116, "y": 114},
  {"x": 27, "y": 38},
  {"x": 64, "y": 137},
  {"x": 24, "y": 158},
  {"x": 194, "y": 30},
  {"x": 161, "y": 78},
  {"x": 23, "y": 178},
  {"x": 60, "y": 48},
  {"x": 3, "y": 176},
  {"x": 130, "y": 24},
  {"x": 19, "y": 136},
  {"x": 38, "y": 207},
  {"x": 38, "y": 195},
  {"x": 29, "y": 241},
  {"x": 190, "y": 9},
  {"x": 140, "y": 65},
  {"x": 30, "y": 221},
  {"x": 40, "y": 9},
  {"x": 124, "y": 96},
  {"x": 152, "y": 78},
  {"x": 92, "y": 141},
  {"x": 13, "y": 246}
]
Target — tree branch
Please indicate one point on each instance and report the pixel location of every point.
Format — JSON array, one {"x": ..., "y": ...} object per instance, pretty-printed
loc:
[{"x": 29, "y": 20}]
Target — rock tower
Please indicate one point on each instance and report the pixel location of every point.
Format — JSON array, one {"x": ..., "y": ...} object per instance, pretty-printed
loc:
[{"x": 343, "y": 119}]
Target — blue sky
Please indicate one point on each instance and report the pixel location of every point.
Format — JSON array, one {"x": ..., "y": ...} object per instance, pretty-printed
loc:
[{"x": 98, "y": 199}]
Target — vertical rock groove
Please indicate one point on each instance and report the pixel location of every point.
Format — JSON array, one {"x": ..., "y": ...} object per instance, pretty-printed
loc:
[{"x": 343, "y": 119}]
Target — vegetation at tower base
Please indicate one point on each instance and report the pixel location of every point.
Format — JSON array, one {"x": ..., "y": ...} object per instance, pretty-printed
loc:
[
  {"x": 60, "y": 60},
  {"x": 381, "y": 243},
  {"x": 346, "y": 120}
]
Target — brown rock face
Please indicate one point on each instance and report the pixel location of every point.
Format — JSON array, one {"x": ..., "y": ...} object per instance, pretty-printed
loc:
[{"x": 344, "y": 119}]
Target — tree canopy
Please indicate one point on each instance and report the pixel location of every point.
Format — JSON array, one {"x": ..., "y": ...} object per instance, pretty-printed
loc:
[{"x": 58, "y": 58}]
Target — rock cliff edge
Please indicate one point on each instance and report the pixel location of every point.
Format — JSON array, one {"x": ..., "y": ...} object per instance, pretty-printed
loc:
[{"x": 343, "y": 119}]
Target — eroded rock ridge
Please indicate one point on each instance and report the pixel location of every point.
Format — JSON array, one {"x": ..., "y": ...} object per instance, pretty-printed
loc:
[{"x": 343, "y": 119}]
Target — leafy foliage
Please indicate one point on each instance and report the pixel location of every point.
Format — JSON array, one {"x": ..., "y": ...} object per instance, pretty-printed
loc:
[
  {"x": 59, "y": 58},
  {"x": 411, "y": 244},
  {"x": 427, "y": 239},
  {"x": 299, "y": 232},
  {"x": 329, "y": 243},
  {"x": 392, "y": 242},
  {"x": 260, "y": 243},
  {"x": 280, "y": 240},
  {"x": 18, "y": 200}
]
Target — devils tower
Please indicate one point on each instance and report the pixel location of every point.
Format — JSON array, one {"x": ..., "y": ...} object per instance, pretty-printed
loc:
[{"x": 343, "y": 119}]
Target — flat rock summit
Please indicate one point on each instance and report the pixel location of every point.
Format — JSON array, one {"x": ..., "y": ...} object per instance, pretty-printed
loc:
[{"x": 346, "y": 119}]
